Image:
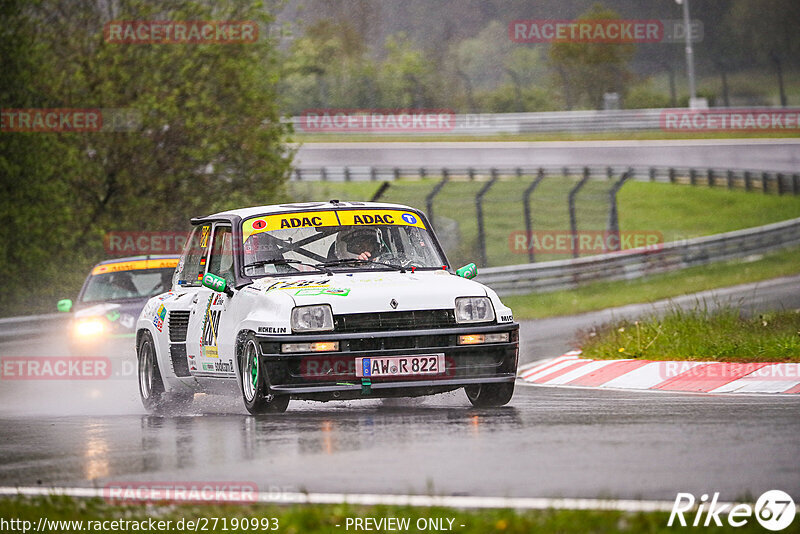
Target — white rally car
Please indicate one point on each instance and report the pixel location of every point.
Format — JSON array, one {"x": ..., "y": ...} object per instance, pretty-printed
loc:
[{"x": 322, "y": 301}]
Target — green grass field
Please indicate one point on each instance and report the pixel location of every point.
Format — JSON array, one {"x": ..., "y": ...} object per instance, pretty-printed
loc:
[
  {"x": 701, "y": 335},
  {"x": 333, "y": 518}
]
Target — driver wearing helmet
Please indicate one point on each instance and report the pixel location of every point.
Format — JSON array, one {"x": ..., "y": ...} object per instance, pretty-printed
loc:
[{"x": 358, "y": 243}]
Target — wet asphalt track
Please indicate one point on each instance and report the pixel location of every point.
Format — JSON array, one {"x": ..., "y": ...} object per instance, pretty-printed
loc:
[{"x": 549, "y": 442}]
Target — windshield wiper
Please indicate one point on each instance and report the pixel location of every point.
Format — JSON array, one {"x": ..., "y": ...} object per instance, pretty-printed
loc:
[
  {"x": 333, "y": 263},
  {"x": 283, "y": 261}
]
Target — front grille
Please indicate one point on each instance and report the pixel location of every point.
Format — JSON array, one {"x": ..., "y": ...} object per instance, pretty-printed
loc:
[
  {"x": 178, "y": 324},
  {"x": 405, "y": 320},
  {"x": 404, "y": 342}
]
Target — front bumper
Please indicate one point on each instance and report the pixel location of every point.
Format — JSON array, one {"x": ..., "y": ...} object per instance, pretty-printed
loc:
[{"x": 331, "y": 375}]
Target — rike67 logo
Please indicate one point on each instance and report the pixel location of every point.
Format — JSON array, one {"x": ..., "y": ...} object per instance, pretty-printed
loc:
[{"x": 774, "y": 510}]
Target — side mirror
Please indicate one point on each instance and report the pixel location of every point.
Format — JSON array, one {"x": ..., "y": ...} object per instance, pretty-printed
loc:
[
  {"x": 217, "y": 283},
  {"x": 64, "y": 305},
  {"x": 468, "y": 271}
]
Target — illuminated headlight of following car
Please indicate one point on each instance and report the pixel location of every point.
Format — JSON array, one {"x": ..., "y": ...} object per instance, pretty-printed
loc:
[
  {"x": 474, "y": 310},
  {"x": 319, "y": 346},
  {"x": 89, "y": 328},
  {"x": 477, "y": 339},
  {"x": 312, "y": 318}
]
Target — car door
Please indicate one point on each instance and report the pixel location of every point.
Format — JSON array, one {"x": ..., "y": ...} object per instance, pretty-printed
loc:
[{"x": 208, "y": 306}]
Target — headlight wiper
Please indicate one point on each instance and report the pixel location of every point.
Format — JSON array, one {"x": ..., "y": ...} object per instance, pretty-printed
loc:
[
  {"x": 333, "y": 263},
  {"x": 283, "y": 261}
]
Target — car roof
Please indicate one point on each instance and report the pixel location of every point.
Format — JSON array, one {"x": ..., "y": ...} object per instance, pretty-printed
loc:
[
  {"x": 143, "y": 257},
  {"x": 244, "y": 213}
]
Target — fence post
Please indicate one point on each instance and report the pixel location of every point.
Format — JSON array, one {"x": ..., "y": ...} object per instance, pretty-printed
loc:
[
  {"x": 710, "y": 177},
  {"x": 435, "y": 191},
  {"x": 573, "y": 220},
  {"x": 747, "y": 185},
  {"x": 379, "y": 193},
  {"x": 692, "y": 176},
  {"x": 779, "y": 180},
  {"x": 613, "y": 217},
  {"x": 671, "y": 175},
  {"x": 795, "y": 184},
  {"x": 526, "y": 204},
  {"x": 479, "y": 208},
  {"x": 764, "y": 182},
  {"x": 652, "y": 174},
  {"x": 730, "y": 179}
]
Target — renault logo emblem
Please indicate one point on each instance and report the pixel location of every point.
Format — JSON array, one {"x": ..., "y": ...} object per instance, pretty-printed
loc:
[{"x": 393, "y": 304}]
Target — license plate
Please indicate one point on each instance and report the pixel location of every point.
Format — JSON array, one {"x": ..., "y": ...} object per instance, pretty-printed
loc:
[{"x": 423, "y": 364}]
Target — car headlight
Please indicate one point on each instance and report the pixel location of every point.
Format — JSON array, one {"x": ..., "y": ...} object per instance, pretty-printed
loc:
[
  {"x": 474, "y": 310},
  {"x": 312, "y": 318},
  {"x": 89, "y": 328}
]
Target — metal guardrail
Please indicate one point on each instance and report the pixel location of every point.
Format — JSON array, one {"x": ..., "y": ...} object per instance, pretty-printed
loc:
[
  {"x": 31, "y": 325},
  {"x": 631, "y": 264},
  {"x": 534, "y": 122}
]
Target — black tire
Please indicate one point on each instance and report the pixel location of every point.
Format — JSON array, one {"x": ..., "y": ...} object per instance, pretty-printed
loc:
[
  {"x": 155, "y": 398},
  {"x": 258, "y": 398},
  {"x": 490, "y": 395}
]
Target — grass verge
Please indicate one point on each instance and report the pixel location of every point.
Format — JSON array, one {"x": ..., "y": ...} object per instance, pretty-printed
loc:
[
  {"x": 701, "y": 335},
  {"x": 602, "y": 295},
  {"x": 318, "y": 518}
]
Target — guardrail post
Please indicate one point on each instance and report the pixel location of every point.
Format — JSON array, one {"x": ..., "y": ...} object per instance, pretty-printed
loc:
[
  {"x": 347, "y": 174},
  {"x": 479, "y": 208},
  {"x": 671, "y": 175},
  {"x": 373, "y": 174},
  {"x": 323, "y": 173},
  {"x": 613, "y": 217},
  {"x": 747, "y": 185},
  {"x": 298, "y": 174},
  {"x": 609, "y": 173},
  {"x": 795, "y": 184},
  {"x": 526, "y": 204},
  {"x": 573, "y": 219},
  {"x": 471, "y": 174},
  {"x": 692, "y": 176},
  {"x": 764, "y": 182},
  {"x": 779, "y": 180},
  {"x": 435, "y": 191},
  {"x": 730, "y": 179},
  {"x": 710, "y": 177},
  {"x": 652, "y": 174},
  {"x": 396, "y": 173},
  {"x": 422, "y": 173},
  {"x": 379, "y": 193}
]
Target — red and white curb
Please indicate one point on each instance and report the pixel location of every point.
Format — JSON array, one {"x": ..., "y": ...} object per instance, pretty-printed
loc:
[{"x": 698, "y": 377}]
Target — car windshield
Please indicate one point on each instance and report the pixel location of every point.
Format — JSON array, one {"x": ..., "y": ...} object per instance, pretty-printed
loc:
[
  {"x": 121, "y": 285},
  {"x": 338, "y": 240}
]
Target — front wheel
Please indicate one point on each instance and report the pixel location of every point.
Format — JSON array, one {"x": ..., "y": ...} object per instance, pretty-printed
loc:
[
  {"x": 490, "y": 395},
  {"x": 256, "y": 393},
  {"x": 155, "y": 398}
]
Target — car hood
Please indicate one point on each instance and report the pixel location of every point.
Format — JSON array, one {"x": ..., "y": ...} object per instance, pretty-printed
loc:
[
  {"x": 121, "y": 315},
  {"x": 375, "y": 291}
]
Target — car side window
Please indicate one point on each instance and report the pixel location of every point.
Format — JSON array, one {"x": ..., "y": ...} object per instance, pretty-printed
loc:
[
  {"x": 221, "y": 260},
  {"x": 192, "y": 265}
]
